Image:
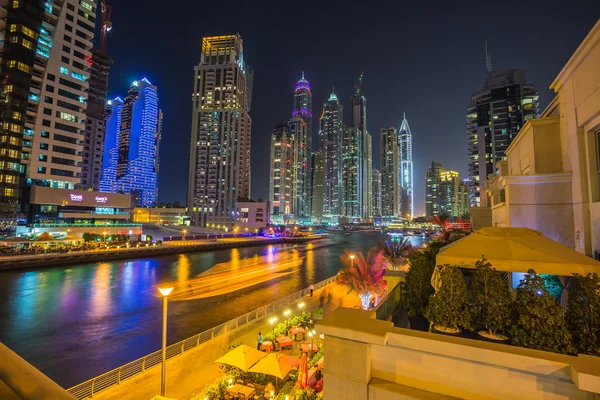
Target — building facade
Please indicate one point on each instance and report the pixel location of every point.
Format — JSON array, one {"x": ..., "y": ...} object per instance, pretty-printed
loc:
[
  {"x": 550, "y": 180},
  {"x": 132, "y": 143},
  {"x": 406, "y": 170},
  {"x": 376, "y": 192},
  {"x": 496, "y": 114},
  {"x": 281, "y": 174},
  {"x": 221, "y": 129},
  {"x": 317, "y": 180},
  {"x": 390, "y": 173},
  {"x": 95, "y": 121},
  {"x": 330, "y": 131},
  {"x": 251, "y": 216},
  {"x": 300, "y": 168},
  {"x": 444, "y": 192}
]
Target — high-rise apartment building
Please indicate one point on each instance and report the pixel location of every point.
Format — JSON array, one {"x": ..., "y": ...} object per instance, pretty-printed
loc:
[
  {"x": 281, "y": 174},
  {"x": 330, "y": 132},
  {"x": 132, "y": 142},
  {"x": 45, "y": 73},
  {"x": 221, "y": 128},
  {"x": 20, "y": 32},
  {"x": 317, "y": 179},
  {"x": 376, "y": 192},
  {"x": 357, "y": 160},
  {"x": 496, "y": 114},
  {"x": 300, "y": 167},
  {"x": 406, "y": 170},
  {"x": 95, "y": 121},
  {"x": 390, "y": 173},
  {"x": 444, "y": 192}
]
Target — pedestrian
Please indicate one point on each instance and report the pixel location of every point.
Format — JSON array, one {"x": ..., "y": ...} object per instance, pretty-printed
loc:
[
  {"x": 312, "y": 289},
  {"x": 260, "y": 340},
  {"x": 321, "y": 299},
  {"x": 329, "y": 296}
]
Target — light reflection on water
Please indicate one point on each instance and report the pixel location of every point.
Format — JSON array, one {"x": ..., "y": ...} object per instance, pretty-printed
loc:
[{"x": 76, "y": 322}]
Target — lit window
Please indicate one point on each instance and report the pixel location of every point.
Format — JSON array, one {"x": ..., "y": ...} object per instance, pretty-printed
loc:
[
  {"x": 13, "y": 28},
  {"x": 28, "y": 32},
  {"x": 27, "y": 44},
  {"x": 86, "y": 5},
  {"x": 12, "y": 64},
  {"x": 16, "y": 4},
  {"x": 14, "y": 39},
  {"x": 24, "y": 67},
  {"x": 68, "y": 116},
  {"x": 79, "y": 76},
  {"x": 64, "y": 71}
]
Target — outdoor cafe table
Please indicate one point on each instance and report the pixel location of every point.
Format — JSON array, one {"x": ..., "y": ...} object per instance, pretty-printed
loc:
[
  {"x": 306, "y": 347},
  {"x": 267, "y": 346},
  {"x": 298, "y": 329},
  {"x": 233, "y": 390},
  {"x": 285, "y": 341},
  {"x": 246, "y": 391}
]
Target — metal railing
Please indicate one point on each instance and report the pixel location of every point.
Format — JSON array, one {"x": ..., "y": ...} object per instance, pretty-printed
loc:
[
  {"x": 389, "y": 303},
  {"x": 112, "y": 378}
]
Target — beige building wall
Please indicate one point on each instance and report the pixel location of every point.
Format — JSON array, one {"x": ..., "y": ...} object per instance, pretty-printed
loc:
[
  {"x": 550, "y": 180},
  {"x": 371, "y": 359}
]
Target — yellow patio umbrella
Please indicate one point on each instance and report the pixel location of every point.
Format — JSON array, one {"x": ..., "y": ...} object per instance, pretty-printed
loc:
[
  {"x": 516, "y": 250},
  {"x": 242, "y": 357},
  {"x": 276, "y": 364}
]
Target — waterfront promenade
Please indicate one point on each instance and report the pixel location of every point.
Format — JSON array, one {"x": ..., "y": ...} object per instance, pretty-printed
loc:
[
  {"x": 189, "y": 372},
  {"x": 174, "y": 247}
]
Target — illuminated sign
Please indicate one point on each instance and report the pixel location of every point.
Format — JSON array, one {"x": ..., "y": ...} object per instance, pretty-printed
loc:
[
  {"x": 100, "y": 199},
  {"x": 76, "y": 197}
]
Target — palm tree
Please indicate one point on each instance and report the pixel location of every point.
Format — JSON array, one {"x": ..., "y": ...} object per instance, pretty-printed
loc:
[
  {"x": 363, "y": 275},
  {"x": 442, "y": 220},
  {"x": 465, "y": 217},
  {"x": 396, "y": 253}
]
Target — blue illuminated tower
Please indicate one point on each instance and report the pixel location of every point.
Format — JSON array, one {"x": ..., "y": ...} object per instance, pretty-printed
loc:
[
  {"x": 406, "y": 169},
  {"x": 132, "y": 142}
]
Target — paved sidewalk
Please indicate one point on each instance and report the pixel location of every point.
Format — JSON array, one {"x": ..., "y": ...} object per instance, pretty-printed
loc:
[{"x": 188, "y": 373}]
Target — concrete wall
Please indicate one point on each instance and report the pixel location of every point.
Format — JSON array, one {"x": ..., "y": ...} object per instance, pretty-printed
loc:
[{"x": 370, "y": 359}]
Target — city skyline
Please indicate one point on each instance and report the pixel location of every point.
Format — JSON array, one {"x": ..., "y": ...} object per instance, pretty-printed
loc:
[{"x": 396, "y": 86}]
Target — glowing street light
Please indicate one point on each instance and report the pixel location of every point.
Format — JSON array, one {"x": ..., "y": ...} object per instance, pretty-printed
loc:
[
  {"x": 311, "y": 335},
  {"x": 272, "y": 321},
  {"x": 301, "y": 305},
  {"x": 104, "y": 233},
  {"x": 184, "y": 232},
  {"x": 352, "y": 259},
  {"x": 165, "y": 295}
]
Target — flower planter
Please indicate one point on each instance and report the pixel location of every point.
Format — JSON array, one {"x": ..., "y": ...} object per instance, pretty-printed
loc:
[
  {"x": 447, "y": 331},
  {"x": 485, "y": 335}
]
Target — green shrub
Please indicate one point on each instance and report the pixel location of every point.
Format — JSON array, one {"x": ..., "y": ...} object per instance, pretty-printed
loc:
[
  {"x": 553, "y": 284},
  {"x": 538, "y": 320},
  {"x": 491, "y": 300},
  {"x": 214, "y": 391},
  {"x": 448, "y": 306},
  {"x": 306, "y": 394},
  {"x": 318, "y": 355},
  {"x": 583, "y": 316},
  {"x": 285, "y": 389},
  {"x": 418, "y": 289}
]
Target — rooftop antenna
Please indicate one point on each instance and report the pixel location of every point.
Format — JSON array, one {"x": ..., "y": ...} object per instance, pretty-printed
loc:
[
  {"x": 488, "y": 59},
  {"x": 106, "y": 25}
]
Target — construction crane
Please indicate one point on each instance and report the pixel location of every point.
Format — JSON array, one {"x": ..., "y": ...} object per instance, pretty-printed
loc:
[
  {"x": 106, "y": 25},
  {"x": 357, "y": 85}
]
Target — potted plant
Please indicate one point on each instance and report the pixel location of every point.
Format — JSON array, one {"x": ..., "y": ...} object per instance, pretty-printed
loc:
[{"x": 448, "y": 306}]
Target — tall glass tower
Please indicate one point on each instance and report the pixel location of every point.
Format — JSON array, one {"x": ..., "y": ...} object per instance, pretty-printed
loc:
[
  {"x": 330, "y": 131},
  {"x": 219, "y": 170},
  {"x": 301, "y": 129},
  {"x": 406, "y": 170},
  {"x": 132, "y": 140}
]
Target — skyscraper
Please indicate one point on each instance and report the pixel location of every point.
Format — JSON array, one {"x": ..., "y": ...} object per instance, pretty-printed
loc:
[
  {"x": 406, "y": 170},
  {"x": 281, "y": 177},
  {"x": 444, "y": 192},
  {"x": 317, "y": 179},
  {"x": 303, "y": 103},
  {"x": 357, "y": 160},
  {"x": 496, "y": 114},
  {"x": 352, "y": 172},
  {"x": 45, "y": 72},
  {"x": 221, "y": 128},
  {"x": 21, "y": 29},
  {"x": 390, "y": 173},
  {"x": 300, "y": 167},
  {"x": 330, "y": 131},
  {"x": 132, "y": 143},
  {"x": 95, "y": 121},
  {"x": 376, "y": 191}
]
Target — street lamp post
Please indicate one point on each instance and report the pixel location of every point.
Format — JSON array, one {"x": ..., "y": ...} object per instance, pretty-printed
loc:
[
  {"x": 287, "y": 318},
  {"x": 311, "y": 334},
  {"x": 272, "y": 322},
  {"x": 165, "y": 295},
  {"x": 352, "y": 260},
  {"x": 184, "y": 232}
]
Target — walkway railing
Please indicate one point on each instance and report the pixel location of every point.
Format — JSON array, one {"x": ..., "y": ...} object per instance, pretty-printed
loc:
[
  {"x": 389, "y": 303},
  {"x": 112, "y": 378}
]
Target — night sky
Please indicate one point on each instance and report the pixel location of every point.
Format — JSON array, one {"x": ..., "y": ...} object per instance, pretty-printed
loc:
[{"x": 422, "y": 58}]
